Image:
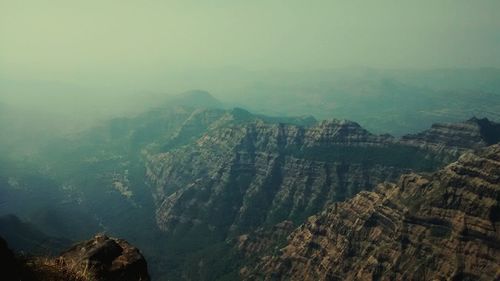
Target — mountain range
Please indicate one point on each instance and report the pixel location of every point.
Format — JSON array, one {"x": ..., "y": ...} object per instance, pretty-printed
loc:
[{"x": 208, "y": 193}]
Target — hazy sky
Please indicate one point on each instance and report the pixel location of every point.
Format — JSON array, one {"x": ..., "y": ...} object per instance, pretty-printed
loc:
[{"x": 53, "y": 38}]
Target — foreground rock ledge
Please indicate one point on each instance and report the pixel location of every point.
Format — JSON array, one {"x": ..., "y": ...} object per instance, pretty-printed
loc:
[
  {"x": 99, "y": 259},
  {"x": 107, "y": 259}
]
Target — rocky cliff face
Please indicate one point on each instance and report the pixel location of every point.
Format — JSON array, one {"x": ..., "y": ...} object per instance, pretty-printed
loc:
[
  {"x": 263, "y": 240},
  {"x": 98, "y": 259},
  {"x": 444, "y": 226},
  {"x": 453, "y": 139},
  {"x": 243, "y": 172},
  {"x": 236, "y": 178}
]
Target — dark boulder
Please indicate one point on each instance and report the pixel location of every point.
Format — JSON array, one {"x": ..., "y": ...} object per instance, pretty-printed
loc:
[{"x": 107, "y": 259}]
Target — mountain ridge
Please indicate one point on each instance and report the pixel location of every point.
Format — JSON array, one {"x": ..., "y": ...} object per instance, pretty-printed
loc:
[
  {"x": 217, "y": 175},
  {"x": 439, "y": 226},
  {"x": 258, "y": 163}
]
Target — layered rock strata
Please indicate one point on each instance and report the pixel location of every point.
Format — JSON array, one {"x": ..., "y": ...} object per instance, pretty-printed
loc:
[
  {"x": 445, "y": 226},
  {"x": 243, "y": 173}
]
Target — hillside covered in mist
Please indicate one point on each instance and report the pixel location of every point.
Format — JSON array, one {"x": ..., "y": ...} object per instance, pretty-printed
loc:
[{"x": 274, "y": 140}]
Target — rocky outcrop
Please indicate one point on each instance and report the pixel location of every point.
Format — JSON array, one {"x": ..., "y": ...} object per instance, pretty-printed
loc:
[
  {"x": 444, "y": 226},
  {"x": 99, "y": 259},
  {"x": 342, "y": 132},
  {"x": 107, "y": 259}
]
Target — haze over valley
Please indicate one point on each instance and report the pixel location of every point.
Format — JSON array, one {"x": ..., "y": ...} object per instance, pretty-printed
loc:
[{"x": 271, "y": 140}]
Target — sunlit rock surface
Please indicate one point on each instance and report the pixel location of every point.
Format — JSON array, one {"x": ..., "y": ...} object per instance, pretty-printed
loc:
[{"x": 444, "y": 226}]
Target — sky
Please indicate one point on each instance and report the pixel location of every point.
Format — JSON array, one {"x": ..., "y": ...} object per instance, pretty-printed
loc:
[
  {"x": 92, "y": 39},
  {"x": 91, "y": 59}
]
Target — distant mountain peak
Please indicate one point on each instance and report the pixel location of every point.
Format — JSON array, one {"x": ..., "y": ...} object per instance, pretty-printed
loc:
[
  {"x": 196, "y": 99},
  {"x": 340, "y": 123},
  {"x": 197, "y": 93},
  {"x": 473, "y": 133},
  {"x": 241, "y": 113}
]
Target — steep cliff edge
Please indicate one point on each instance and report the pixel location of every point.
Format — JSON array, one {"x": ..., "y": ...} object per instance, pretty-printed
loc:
[
  {"x": 98, "y": 259},
  {"x": 243, "y": 172},
  {"x": 239, "y": 175},
  {"x": 445, "y": 226},
  {"x": 237, "y": 178}
]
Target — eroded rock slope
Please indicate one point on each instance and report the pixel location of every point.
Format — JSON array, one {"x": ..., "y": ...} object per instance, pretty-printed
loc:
[
  {"x": 244, "y": 172},
  {"x": 444, "y": 226}
]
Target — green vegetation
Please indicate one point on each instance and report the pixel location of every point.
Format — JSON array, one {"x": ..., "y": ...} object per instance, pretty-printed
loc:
[{"x": 389, "y": 155}]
